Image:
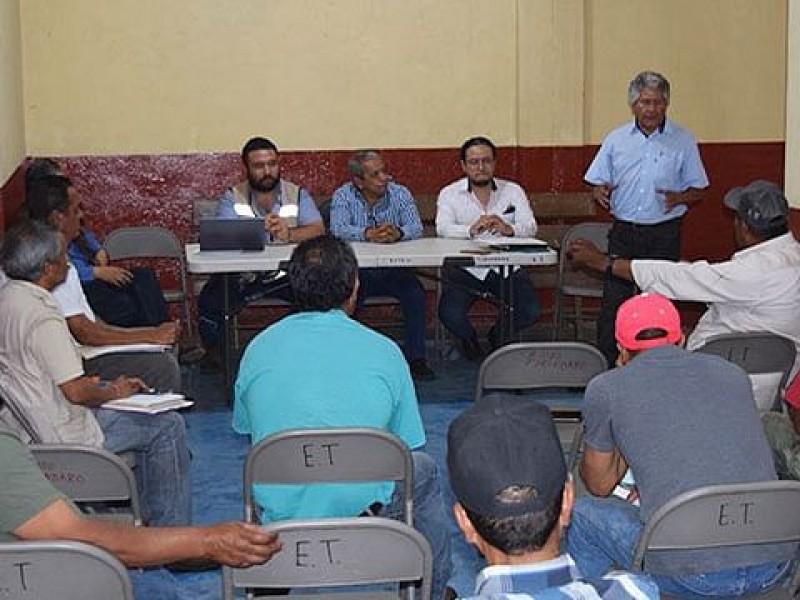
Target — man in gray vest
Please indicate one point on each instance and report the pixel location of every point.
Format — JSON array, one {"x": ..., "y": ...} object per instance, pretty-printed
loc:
[{"x": 290, "y": 216}]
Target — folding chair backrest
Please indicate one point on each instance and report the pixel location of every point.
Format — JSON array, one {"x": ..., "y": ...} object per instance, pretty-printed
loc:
[
  {"x": 539, "y": 365},
  {"x": 307, "y": 456},
  {"x": 152, "y": 242},
  {"x": 724, "y": 515},
  {"x": 63, "y": 570},
  {"x": 761, "y": 354},
  {"x": 90, "y": 475},
  {"x": 341, "y": 552}
]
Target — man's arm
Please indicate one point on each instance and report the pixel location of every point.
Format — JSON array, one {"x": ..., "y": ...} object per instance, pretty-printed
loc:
[
  {"x": 309, "y": 221},
  {"x": 235, "y": 544},
  {"x": 447, "y": 223},
  {"x": 98, "y": 333},
  {"x": 584, "y": 252},
  {"x": 89, "y": 391},
  {"x": 342, "y": 205},
  {"x": 410, "y": 223},
  {"x": 601, "y": 471},
  {"x": 689, "y": 197}
]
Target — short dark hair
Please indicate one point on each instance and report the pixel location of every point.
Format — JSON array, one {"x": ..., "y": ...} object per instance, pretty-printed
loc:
[
  {"x": 355, "y": 164},
  {"x": 322, "y": 273},
  {"x": 768, "y": 232},
  {"x": 520, "y": 534},
  {"x": 257, "y": 143},
  {"x": 27, "y": 248},
  {"x": 38, "y": 168},
  {"x": 476, "y": 141},
  {"x": 46, "y": 194}
]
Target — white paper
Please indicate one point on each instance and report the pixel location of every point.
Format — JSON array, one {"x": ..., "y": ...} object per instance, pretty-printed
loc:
[
  {"x": 502, "y": 240},
  {"x": 88, "y": 352},
  {"x": 149, "y": 403}
]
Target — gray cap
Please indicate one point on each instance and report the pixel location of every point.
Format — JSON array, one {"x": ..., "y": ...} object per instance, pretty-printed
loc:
[{"x": 760, "y": 205}]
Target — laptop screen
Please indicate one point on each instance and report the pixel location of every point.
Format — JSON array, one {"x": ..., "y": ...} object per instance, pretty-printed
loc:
[{"x": 231, "y": 234}]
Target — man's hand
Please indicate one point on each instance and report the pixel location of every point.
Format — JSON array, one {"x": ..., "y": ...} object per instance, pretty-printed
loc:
[
  {"x": 385, "y": 233},
  {"x": 584, "y": 252},
  {"x": 602, "y": 194},
  {"x": 122, "y": 387},
  {"x": 491, "y": 224},
  {"x": 116, "y": 276},
  {"x": 277, "y": 228},
  {"x": 239, "y": 544},
  {"x": 168, "y": 333},
  {"x": 673, "y": 199}
]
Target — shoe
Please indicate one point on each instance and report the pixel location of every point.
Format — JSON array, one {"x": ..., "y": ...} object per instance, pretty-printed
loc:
[
  {"x": 420, "y": 370},
  {"x": 191, "y": 355},
  {"x": 472, "y": 351}
]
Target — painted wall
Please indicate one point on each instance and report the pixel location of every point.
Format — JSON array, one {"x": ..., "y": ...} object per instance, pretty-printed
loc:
[
  {"x": 151, "y": 76},
  {"x": 793, "y": 106},
  {"x": 12, "y": 131}
]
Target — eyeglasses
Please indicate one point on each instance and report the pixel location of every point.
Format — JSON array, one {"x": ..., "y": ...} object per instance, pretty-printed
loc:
[{"x": 477, "y": 162}]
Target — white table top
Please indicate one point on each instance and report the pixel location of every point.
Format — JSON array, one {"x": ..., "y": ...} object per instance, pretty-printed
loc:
[{"x": 424, "y": 252}]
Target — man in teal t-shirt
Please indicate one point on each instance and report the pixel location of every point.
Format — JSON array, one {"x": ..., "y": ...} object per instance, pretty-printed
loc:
[{"x": 320, "y": 368}]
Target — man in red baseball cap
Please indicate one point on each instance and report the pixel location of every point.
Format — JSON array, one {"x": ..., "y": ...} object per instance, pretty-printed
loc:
[{"x": 680, "y": 421}]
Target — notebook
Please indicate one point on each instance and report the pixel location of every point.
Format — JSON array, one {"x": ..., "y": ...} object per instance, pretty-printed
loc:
[{"x": 231, "y": 234}]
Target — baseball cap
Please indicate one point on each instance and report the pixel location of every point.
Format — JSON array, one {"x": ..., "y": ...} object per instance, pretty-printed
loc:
[
  {"x": 503, "y": 441},
  {"x": 760, "y": 205},
  {"x": 647, "y": 311}
]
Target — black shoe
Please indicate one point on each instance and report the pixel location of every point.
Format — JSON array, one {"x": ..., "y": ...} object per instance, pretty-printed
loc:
[
  {"x": 191, "y": 355},
  {"x": 420, "y": 370},
  {"x": 472, "y": 351}
]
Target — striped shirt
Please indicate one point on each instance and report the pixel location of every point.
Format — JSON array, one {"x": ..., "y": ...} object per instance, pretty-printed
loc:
[
  {"x": 559, "y": 579},
  {"x": 351, "y": 215}
]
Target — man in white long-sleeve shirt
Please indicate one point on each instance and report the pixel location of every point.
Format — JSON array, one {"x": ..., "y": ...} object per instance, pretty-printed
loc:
[{"x": 478, "y": 205}]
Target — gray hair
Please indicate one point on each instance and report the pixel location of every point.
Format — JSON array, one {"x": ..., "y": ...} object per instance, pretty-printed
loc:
[
  {"x": 356, "y": 163},
  {"x": 648, "y": 79},
  {"x": 27, "y": 247}
]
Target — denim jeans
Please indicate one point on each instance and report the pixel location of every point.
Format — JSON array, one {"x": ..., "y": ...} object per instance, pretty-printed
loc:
[
  {"x": 429, "y": 517},
  {"x": 162, "y": 461},
  {"x": 603, "y": 534},
  {"x": 149, "y": 584},
  {"x": 460, "y": 291},
  {"x": 401, "y": 284}
]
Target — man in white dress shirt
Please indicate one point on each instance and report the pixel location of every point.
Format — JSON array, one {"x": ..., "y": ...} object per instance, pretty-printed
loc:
[{"x": 475, "y": 206}]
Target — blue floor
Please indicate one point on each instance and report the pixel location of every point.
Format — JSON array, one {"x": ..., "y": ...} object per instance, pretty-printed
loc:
[{"x": 219, "y": 458}]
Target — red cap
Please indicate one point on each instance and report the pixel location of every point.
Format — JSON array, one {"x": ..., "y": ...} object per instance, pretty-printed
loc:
[{"x": 647, "y": 311}]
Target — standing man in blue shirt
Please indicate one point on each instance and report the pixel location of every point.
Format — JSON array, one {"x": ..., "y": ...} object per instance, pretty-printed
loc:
[
  {"x": 290, "y": 215},
  {"x": 372, "y": 208},
  {"x": 647, "y": 173}
]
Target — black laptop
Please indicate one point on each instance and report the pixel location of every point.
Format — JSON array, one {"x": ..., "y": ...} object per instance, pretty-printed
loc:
[{"x": 231, "y": 234}]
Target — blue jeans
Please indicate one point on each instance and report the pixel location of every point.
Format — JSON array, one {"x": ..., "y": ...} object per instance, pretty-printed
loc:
[
  {"x": 461, "y": 290},
  {"x": 162, "y": 461},
  {"x": 429, "y": 517},
  {"x": 401, "y": 284},
  {"x": 157, "y": 583},
  {"x": 603, "y": 534}
]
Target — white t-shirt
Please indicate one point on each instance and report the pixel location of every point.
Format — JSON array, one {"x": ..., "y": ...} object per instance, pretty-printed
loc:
[{"x": 70, "y": 297}]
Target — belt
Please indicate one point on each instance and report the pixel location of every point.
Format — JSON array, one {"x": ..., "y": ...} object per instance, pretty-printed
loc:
[{"x": 664, "y": 224}]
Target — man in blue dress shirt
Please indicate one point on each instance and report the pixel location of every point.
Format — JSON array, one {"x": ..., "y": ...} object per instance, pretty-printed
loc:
[
  {"x": 372, "y": 208},
  {"x": 647, "y": 173}
]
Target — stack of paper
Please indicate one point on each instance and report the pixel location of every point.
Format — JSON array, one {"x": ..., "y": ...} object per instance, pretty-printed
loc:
[{"x": 149, "y": 403}]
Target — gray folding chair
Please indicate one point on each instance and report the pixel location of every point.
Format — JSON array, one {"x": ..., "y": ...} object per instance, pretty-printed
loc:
[
  {"x": 332, "y": 553},
  {"x": 562, "y": 368},
  {"x": 760, "y": 354},
  {"x": 91, "y": 477},
  {"x": 721, "y": 516},
  {"x": 63, "y": 570},
  {"x": 577, "y": 282},
  {"x": 308, "y": 456},
  {"x": 154, "y": 243}
]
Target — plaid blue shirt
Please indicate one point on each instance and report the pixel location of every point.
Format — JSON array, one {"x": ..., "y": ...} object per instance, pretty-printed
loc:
[
  {"x": 351, "y": 215},
  {"x": 559, "y": 579}
]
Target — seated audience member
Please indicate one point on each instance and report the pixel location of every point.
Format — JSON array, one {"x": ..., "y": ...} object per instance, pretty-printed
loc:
[
  {"x": 122, "y": 297},
  {"x": 783, "y": 433},
  {"x": 41, "y": 371},
  {"x": 372, "y": 208},
  {"x": 32, "y": 509},
  {"x": 478, "y": 205},
  {"x": 514, "y": 500},
  {"x": 320, "y": 368},
  {"x": 289, "y": 214},
  {"x": 54, "y": 201},
  {"x": 680, "y": 420},
  {"x": 756, "y": 290}
]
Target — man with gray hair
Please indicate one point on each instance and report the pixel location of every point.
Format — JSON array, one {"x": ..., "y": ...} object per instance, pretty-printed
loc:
[
  {"x": 54, "y": 400},
  {"x": 647, "y": 173},
  {"x": 372, "y": 208}
]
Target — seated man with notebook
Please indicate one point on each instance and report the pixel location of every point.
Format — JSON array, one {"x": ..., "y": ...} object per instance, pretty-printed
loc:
[
  {"x": 481, "y": 205},
  {"x": 290, "y": 216},
  {"x": 320, "y": 368},
  {"x": 46, "y": 388}
]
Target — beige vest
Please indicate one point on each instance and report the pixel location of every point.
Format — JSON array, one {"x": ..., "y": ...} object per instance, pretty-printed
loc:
[{"x": 289, "y": 196}]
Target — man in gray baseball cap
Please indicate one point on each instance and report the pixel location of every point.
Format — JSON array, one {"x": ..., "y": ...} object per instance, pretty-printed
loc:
[
  {"x": 756, "y": 290},
  {"x": 514, "y": 500}
]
